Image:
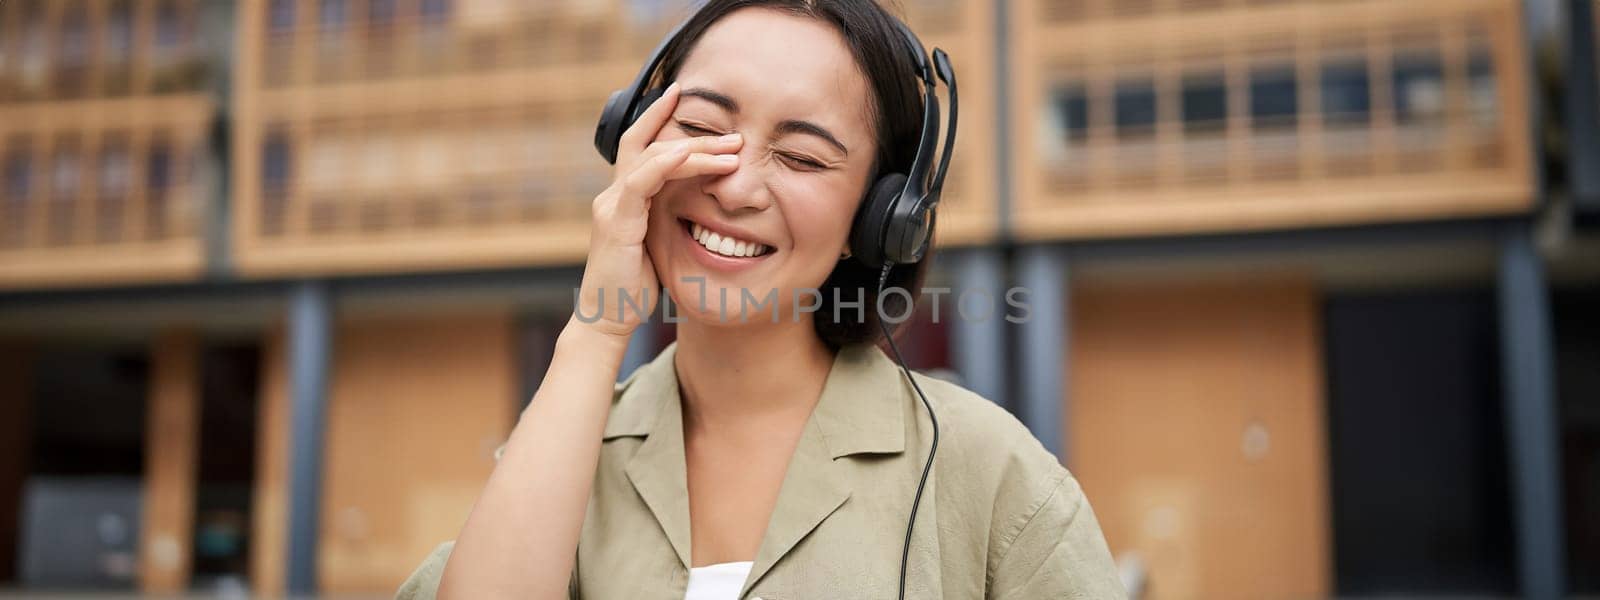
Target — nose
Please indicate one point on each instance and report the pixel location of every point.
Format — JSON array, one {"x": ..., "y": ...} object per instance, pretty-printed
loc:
[{"x": 743, "y": 189}]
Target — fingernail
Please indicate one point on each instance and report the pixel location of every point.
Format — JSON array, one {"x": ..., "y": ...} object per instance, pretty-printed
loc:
[
  {"x": 732, "y": 137},
  {"x": 727, "y": 159}
]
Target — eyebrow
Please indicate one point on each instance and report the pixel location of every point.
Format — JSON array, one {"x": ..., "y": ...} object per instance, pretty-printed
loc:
[
  {"x": 713, "y": 97},
  {"x": 786, "y": 127},
  {"x": 807, "y": 127}
]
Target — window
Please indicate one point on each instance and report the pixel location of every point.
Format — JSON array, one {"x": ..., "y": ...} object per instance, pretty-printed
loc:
[
  {"x": 1346, "y": 92},
  {"x": 1205, "y": 102},
  {"x": 72, "y": 58},
  {"x": 33, "y": 37},
  {"x": 274, "y": 164},
  {"x": 435, "y": 11},
  {"x": 75, "y": 38},
  {"x": 280, "y": 13},
  {"x": 1072, "y": 108},
  {"x": 119, "y": 32},
  {"x": 380, "y": 12},
  {"x": 158, "y": 172},
  {"x": 1418, "y": 87},
  {"x": 18, "y": 169},
  {"x": 331, "y": 15},
  {"x": 65, "y": 174},
  {"x": 275, "y": 171},
  {"x": 115, "y": 173},
  {"x": 1274, "y": 99},
  {"x": 1483, "y": 96},
  {"x": 169, "y": 30},
  {"x": 1135, "y": 107},
  {"x": 158, "y": 180}
]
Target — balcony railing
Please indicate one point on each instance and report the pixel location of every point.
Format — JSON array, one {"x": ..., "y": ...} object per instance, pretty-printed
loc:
[
  {"x": 1304, "y": 113},
  {"x": 376, "y": 135},
  {"x": 104, "y": 124}
]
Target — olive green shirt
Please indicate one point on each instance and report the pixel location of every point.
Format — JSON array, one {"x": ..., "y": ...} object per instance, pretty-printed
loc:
[{"x": 1000, "y": 517}]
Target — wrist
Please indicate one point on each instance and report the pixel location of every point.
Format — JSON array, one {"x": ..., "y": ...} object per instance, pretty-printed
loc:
[{"x": 593, "y": 339}]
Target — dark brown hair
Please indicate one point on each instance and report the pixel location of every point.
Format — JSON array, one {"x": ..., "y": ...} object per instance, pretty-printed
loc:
[{"x": 884, "y": 57}]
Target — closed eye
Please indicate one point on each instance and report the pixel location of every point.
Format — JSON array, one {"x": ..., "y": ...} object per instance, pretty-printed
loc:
[
  {"x": 695, "y": 130},
  {"x": 796, "y": 161},
  {"x": 802, "y": 163}
]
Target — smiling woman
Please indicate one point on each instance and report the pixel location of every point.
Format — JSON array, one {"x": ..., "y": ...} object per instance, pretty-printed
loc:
[{"x": 788, "y": 148}]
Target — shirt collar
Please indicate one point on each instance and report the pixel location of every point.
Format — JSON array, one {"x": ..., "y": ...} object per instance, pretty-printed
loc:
[{"x": 862, "y": 408}]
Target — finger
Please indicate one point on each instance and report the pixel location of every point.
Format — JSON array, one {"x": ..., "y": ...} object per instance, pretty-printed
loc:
[
  {"x": 650, "y": 122},
  {"x": 704, "y": 164},
  {"x": 647, "y": 180},
  {"x": 705, "y": 144}
]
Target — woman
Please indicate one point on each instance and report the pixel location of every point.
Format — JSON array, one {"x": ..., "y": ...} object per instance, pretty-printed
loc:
[{"x": 761, "y": 456}]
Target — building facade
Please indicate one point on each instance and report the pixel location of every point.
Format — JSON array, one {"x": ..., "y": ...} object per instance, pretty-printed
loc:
[{"x": 1312, "y": 281}]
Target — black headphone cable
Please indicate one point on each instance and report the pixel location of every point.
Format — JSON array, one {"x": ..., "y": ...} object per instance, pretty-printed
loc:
[{"x": 905, "y": 551}]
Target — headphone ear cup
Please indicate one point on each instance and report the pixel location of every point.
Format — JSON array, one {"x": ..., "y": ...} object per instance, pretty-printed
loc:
[
  {"x": 608, "y": 133},
  {"x": 616, "y": 118},
  {"x": 650, "y": 97},
  {"x": 867, "y": 233}
]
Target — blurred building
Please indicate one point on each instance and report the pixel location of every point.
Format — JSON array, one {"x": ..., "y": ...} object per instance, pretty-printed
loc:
[{"x": 1312, "y": 282}]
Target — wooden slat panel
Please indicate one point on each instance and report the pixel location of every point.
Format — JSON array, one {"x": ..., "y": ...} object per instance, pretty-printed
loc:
[
  {"x": 417, "y": 407},
  {"x": 269, "y": 506},
  {"x": 1402, "y": 161},
  {"x": 171, "y": 459},
  {"x": 1195, "y": 420}
]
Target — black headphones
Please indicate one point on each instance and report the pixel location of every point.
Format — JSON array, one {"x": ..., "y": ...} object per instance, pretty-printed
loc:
[{"x": 896, "y": 218}]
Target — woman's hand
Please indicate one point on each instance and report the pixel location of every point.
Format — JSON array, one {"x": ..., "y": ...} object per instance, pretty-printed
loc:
[{"x": 618, "y": 261}]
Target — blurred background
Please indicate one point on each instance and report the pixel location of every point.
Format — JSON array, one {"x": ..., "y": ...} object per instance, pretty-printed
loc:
[{"x": 1314, "y": 284}]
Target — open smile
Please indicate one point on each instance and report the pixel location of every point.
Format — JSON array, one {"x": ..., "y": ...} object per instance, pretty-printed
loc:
[
  {"x": 724, "y": 245},
  {"x": 720, "y": 250}
]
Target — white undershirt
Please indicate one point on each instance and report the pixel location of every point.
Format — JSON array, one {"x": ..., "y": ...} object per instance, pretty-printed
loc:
[{"x": 721, "y": 581}]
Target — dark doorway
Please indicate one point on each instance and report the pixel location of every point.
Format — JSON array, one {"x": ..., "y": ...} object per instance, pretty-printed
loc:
[
  {"x": 1576, "y": 316},
  {"x": 230, "y": 374},
  {"x": 80, "y": 500},
  {"x": 1416, "y": 444}
]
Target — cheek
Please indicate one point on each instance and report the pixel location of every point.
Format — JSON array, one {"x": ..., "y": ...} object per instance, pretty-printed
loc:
[
  {"x": 662, "y": 223},
  {"x": 820, "y": 223}
]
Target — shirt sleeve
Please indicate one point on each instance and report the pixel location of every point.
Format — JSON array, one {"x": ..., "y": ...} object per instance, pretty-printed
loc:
[
  {"x": 423, "y": 584},
  {"x": 1058, "y": 553}
]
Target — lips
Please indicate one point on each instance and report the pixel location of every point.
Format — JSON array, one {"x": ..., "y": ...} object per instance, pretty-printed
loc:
[{"x": 723, "y": 244}]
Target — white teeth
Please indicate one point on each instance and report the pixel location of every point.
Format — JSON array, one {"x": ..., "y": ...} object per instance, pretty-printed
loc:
[{"x": 725, "y": 246}]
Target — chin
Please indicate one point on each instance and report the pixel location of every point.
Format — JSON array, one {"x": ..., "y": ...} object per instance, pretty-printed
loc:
[{"x": 702, "y": 303}]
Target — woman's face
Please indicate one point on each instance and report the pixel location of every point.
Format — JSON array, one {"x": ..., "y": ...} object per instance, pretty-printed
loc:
[{"x": 791, "y": 88}]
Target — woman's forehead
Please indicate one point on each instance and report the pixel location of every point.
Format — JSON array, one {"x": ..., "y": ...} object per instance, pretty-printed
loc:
[{"x": 779, "y": 65}]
